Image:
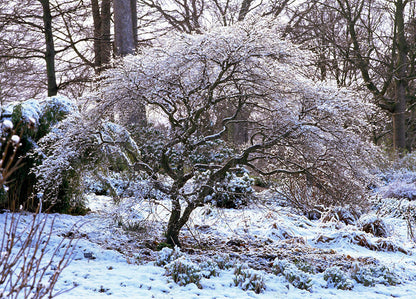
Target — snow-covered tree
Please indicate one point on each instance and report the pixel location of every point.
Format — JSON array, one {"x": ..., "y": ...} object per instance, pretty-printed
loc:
[{"x": 297, "y": 127}]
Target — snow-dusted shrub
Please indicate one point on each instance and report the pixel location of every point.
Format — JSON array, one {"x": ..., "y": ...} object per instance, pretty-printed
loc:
[
  {"x": 399, "y": 180},
  {"x": 76, "y": 146},
  {"x": 402, "y": 186},
  {"x": 167, "y": 255},
  {"x": 370, "y": 275},
  {"x": 248, "y": 279},
  {"x": 32, "y": 119},
  {"x": 183, "y": 271},
  {"x": 63, "y": 153},
  {"x": 346, "y": 214},
  {"x": 308, "y": 195},
  {"x": 223, "y": 261},
  {"x": 374, "y": 225},
  {"x": 209, "y": 268},
  {"x": 234, "y": 191},
  {"x": 397, "y": 208},
  {"x": 128, "y": 214},
  {"x": 305, "y": 266},
  {"x": 295, "y": 276},
  {"x": 336, "y": 278}
]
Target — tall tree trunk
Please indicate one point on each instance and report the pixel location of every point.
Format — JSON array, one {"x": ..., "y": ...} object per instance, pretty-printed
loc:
[
  {"x": 123, "y": 27},
  {"x": 102, "y": 42},
  {"x": 105, "y": 32},
  {"x": 50, "y": 48},
  {"x": 399, "y": 114},
  {"x": 96, "y": 16}
]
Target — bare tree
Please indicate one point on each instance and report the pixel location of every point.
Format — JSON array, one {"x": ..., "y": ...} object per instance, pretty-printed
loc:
[
  {"x": 366, "y": 41},
  {"x": 50, "y": 40}
]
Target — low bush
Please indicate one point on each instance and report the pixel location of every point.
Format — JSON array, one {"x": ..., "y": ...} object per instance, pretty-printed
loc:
[
  {"x": 374, "y": 225},
  {"x": 374, "y": 274},
  {"x": 295, "y": 276},
  {"x": 234, "y": 191},
  {"x": 336, "y": 278},
  {"x": 184, "y": 272},
  {"x": 167, "y": 255},
  {"x": 248, "y": 279}
]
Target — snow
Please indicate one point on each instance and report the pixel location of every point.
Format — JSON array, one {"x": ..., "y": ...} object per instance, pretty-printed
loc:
[
  {"x": 109, "y": 262},
  {"x": 7, "y": 125}
]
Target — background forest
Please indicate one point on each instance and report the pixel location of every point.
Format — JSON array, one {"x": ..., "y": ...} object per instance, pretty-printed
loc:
[{"x": 308, "y": 106}]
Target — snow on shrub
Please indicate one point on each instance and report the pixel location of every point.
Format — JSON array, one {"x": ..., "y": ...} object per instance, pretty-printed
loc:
[
  {"x": 336, "y": 278},
  {"x": 248, "y": 279},
  {"x": 128, "y": 214},
  {"x": 398, "y": 184},
  {"x": 167, "y": 255},
  {"x": 234, "y": 191},
  {"x": 183, "y": 272},
  {"x": 374, "y": 225},
  {"x": 361, "y": 238},
  {"x": 223, "y": 261},
  {"x": 374, "y": 274},
  {"x": 346, "y": 214},
  {"x": 33, "y": 119},
  {"x": 295, "y": 276}
]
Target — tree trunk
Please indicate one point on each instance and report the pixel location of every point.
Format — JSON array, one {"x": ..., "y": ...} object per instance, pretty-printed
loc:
[
  {"x": 96, "y": 16},
  {"x": 173, "y": 229},
  {"x": 102, "y": 41},
  {"x": 399, "y": 114},
  {"x": 105, "y": 32},
  {"x": 50, "y": 48},
  {"x": 124, "y": 20},
  {"x": 176, "y": 222}
]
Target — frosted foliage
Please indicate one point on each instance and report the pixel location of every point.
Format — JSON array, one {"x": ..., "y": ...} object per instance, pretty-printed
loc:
[
  {"x": 201, "y": 84},
  {"x": 33, "y": 110},
  {"x": 60, "y": 149},
  {"x": 399, "y": 184}
]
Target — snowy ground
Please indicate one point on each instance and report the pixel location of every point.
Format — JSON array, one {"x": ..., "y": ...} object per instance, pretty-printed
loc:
[{"x": 110, "y": 262}]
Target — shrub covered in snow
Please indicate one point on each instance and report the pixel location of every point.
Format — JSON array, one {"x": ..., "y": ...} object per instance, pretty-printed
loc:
[
  {"x": 346, "y": 214},
  {"x": 167, "y": 255},
  {"x": 294, "y": 275},
  {"x": 336, "y": 278},
  {"x": 33, "y": 120},
  {"x": 248, "y": 279},
  {"x": 374, "y": 225},
  {"x": 234, "y": 191},
  {"x": 76, "y": 146},
  {"x": 223, "y": 261},
  {"x": 374, "y": 274},
  {"x": 183, "y": 271},
  {"x": 399, "y": 184}
]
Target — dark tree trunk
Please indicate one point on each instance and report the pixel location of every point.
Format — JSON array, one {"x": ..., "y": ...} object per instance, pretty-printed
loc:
[
  {"x": 124, "y": 20},
  {"x": 50, "y": 48},
  {"x": 96, "y": 16},
  {"x": 399, "y": 113},
  {"x": 105, "y": 32},
  {"x": 102, "y": 42},
  {"x": 244, "y": 9}
]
